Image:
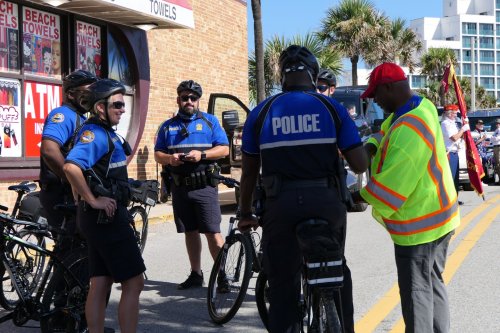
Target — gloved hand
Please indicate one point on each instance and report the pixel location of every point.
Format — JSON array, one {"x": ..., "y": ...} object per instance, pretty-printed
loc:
[{"x": 466, "y": 128}]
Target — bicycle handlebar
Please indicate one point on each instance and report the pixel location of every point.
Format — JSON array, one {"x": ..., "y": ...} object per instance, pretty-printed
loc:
[{"x": 229, "y": 182}]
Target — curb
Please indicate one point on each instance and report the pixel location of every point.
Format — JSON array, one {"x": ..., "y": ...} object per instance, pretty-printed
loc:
[{"x": 167, "y": 218}]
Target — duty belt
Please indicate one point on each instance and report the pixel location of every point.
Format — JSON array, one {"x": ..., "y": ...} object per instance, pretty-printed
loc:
[{"x": 288, "y": 185}]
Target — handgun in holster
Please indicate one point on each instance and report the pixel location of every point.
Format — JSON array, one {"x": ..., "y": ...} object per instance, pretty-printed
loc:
[{"x": 344, "y": 193}]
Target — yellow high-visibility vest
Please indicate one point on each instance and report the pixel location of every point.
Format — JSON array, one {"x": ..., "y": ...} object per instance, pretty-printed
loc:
[
  {"x": 377, "y": 137},
  {"x": 411, "y": 188}
]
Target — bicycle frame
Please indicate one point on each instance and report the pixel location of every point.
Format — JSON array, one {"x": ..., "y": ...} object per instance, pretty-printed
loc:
[{"x": 26, "y": 298}]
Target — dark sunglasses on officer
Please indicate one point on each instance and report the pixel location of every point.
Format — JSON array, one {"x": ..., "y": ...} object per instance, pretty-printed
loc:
[{"x": 193, "y": 98}]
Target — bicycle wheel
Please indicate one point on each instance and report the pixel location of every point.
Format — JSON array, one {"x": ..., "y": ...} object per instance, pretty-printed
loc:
[
  {"x": 229, "y": 279},
  {"x": 325, "y": 317},
  {"x": 139, "y": 224},
  {"x": 29, "y": 267},
  {"x": 63, "y": 303},
  {"x": 262, "y": 298}
]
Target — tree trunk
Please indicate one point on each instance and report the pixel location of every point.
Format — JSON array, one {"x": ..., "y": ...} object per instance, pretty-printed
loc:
[
  {"x": 354, "y": 69},
  {"x": 259, "y": 50}
]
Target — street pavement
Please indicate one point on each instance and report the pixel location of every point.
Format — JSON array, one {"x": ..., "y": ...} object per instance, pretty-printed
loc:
[{"x": 472, "y": 275}]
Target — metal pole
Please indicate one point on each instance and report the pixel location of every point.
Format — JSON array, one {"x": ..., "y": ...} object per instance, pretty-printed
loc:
[{"x": 473, "y": 77}]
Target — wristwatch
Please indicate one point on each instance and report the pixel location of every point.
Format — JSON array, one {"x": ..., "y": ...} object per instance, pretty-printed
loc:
[{"x": 203, "y": 155}]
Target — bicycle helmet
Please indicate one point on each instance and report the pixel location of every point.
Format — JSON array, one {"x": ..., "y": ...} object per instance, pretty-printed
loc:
[
  {"x": 191, "y": 86},
  {"x": 77, "y": 79},
  {"x": 328, "y": 76},
  {"x": 298, "y": 58},
  {"x": 100, "y": 90}
]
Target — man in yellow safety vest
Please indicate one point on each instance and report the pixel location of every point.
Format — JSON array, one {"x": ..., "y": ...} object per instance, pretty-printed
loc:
[{"x": 412, "y": 193}]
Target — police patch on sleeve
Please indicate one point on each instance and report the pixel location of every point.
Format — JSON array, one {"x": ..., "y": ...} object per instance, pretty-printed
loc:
[
  {"x": 57, "y": 118},
  {"x": 87, "y": 137}
]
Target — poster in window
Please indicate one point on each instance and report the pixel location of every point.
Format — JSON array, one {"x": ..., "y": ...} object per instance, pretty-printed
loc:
[
  {"x": 10, "y": 118},
  {"x": 9, "y": 37},
  {"x": 41, "y": 43},
  {"x": 88, "y": 44},
  {"x": 39, "y": 100}
]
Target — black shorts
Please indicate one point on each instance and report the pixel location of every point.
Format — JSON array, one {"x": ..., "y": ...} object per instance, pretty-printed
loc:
[
  {"x": 196, "y": 209},
  {"x": 113, "y": 250}
]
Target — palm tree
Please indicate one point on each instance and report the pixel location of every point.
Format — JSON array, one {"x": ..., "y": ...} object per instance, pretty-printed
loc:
[
  {"x": 259, "y": 50},
  {"x": 435, "y": 60},
  {"x": 434, "y": 63},
  {"x": 393, "y": 42},
  {"x": 349, "y": 27},
  {"x": 327, "y": 58}
]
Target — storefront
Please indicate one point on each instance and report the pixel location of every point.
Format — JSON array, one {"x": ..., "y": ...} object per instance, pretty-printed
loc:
[{"x": 42, "y": 40}]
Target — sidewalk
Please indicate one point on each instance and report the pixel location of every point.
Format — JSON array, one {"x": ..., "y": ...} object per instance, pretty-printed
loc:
[{"x": 162, "y": 212}]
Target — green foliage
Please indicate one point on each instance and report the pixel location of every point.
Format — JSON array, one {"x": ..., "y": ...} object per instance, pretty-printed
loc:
[{"x": 327, "y": 58}]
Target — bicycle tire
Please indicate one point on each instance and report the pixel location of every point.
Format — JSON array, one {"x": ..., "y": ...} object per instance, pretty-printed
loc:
[
  {"x": 236, "y": 259},
  {"x": 139, "y": 224},
  {"x": 29, "y": 265},
  {"x": 69, "y": 314},
  {"x": 262, "y": 298},
  {"x": 326, "y": 318}
]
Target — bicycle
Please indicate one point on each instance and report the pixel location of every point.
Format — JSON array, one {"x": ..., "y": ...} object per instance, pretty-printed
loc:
[
  {"x": 233, "y": 268},
  {"x": 57, "y": 308},
  {"x": 321, "y": 278},
  {"x": 27, "y": 207},
  {"x": 144, "y": 195}
]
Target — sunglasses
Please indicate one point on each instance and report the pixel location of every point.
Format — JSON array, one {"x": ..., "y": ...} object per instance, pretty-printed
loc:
[
  {"x": 118, "y": 105},
  {"x": 322, "y": 88},
  {"x": 193, "y": 98}
]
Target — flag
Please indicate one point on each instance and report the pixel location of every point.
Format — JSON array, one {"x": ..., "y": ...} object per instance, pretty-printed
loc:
[{"x": 474, "y": 164}]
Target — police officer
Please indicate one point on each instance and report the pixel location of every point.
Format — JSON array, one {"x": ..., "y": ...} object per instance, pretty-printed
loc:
[
  {"x": 327, "y": 82},
  {"x": 97, "y": 170},
  {"x": 297, "y": 148},
  {"x": 187, "y": 145},
  {"x": 56, "y": 137}
]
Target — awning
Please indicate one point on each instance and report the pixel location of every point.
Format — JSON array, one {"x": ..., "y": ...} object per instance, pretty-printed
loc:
[{"x": 165, "y": 14}]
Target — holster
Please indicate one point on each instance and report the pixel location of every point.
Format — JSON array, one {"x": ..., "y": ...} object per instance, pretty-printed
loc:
[{"x": 198, "y": 179}]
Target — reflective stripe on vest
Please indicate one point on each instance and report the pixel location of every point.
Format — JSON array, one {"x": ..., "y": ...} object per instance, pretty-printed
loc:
[{"x": 395, "y": 200}]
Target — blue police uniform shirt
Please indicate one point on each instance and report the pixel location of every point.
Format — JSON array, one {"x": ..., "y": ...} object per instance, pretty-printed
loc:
[
  {"x": 92, "y": 145},
  {"x": 298, "y": 139},
  {"x": 60, "y": 124},
  {"x": 198, "y": 136},
  {"x": 59, "y": 127}
]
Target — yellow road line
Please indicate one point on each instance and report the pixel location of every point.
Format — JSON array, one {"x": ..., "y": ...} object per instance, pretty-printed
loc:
[
  {"x": 459, "y": 255},
  {"x": 390, "y": 300}
]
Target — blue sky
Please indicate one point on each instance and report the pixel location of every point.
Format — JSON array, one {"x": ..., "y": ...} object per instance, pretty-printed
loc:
[{"x": 291, "y": 17}]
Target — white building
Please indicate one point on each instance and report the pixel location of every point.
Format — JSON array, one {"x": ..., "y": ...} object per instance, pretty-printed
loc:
[{"x": 465, "y": 21}]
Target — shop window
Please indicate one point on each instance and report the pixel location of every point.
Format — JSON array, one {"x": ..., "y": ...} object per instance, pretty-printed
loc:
[
  {"x": 9, "y": 37},
  {"x": 41, "y": 43},
  {"x": 119, "y": 68},
  {"x": 89, "y": 47},
  {"x": 10, "y": 118}
]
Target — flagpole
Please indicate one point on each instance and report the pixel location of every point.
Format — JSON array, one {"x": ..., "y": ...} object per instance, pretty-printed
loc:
[{"x": 473, "y": 77}]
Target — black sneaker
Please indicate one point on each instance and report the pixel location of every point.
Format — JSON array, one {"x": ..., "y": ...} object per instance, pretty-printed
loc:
[
  {"x": 223, "y": 286},
  {"x": 109, "y": 330},
  {"x": 194, "y": 280}
]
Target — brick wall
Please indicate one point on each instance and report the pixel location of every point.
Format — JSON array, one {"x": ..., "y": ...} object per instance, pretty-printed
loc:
[{"x": 214, "y": 54}]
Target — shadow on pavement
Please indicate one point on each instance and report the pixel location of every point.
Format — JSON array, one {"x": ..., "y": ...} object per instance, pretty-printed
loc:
[{"x": 163, "y": 308}]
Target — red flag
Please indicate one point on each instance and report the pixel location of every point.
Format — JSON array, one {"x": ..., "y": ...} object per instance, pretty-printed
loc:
[{"x": 474, "y": 165}]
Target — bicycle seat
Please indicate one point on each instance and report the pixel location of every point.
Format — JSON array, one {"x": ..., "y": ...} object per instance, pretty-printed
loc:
[{"x": 24, "y": 187}]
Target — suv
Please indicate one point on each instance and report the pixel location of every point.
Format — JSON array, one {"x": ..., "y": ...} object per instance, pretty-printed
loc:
[{"x": 232, "y": 113}]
